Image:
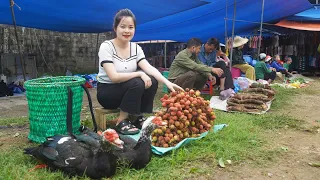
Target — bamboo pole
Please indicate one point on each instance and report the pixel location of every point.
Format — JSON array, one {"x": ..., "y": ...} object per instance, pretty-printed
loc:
[
  {"x": 17, "y": 38},
  {"x": 261, "y": 21},
  {"x": 233, "y": 25}
]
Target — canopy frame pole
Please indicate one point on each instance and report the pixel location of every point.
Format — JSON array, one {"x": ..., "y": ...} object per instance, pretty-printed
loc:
[
  {"x": 225, "y": 26},
  {"x": 233, "y": 25},
  {"x": 261, "y": 23},
  {"x": 253, "y": 22},
  {"x": 165, "y": 54},
  {"x": 97, "y": 56},
  {"x": 17, "y": 38}
]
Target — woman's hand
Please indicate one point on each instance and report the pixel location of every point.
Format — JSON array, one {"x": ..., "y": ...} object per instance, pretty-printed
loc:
[
  {"x": 173, "y": 87},
  {"x": 146, "y": 79}
]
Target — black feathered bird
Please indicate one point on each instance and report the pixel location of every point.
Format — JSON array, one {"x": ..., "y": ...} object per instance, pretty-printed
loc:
[
  {"x": 137, "y": 154},
  {"x": 85, "y": 154}
]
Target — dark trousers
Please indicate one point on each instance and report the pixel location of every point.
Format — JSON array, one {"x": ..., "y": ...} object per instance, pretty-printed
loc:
[
  {"x": 285, "y": 73},
  {"x": 191, "y": 80},
  {"x": 226, "y": 74},
  {"x": 272, "y": 75},
  {"x": 130, "y": 96}
]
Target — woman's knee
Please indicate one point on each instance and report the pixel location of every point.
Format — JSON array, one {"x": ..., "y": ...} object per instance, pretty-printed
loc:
[
  {"x": 250, "y": 68},
  {"x": 191, "y": 74},
  {"x": 188, "y": 76},
  {"x": 221, "y": 65},
  {"x": 137, "y": 83}
]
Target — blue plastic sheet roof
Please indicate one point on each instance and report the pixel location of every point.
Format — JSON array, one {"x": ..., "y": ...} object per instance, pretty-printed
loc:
[
  {"x": 209, "y": 20},
  {"x": 87, "y": 16},
  {"x": 312, "y": 14}
]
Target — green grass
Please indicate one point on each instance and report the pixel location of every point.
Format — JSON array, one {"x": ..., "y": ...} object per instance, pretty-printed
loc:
[
  {"x": 244, "y": 139},
  {"x": 14, "y": 121}
]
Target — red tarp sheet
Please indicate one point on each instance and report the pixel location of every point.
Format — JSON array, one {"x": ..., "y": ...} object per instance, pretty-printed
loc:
[{"x": 308, "y": 26}]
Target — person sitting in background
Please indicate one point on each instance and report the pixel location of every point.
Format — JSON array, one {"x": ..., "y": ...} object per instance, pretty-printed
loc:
[
  {"x": 209, "y": 53},
  {"x": 287, "y": 63},
  {"x": 268, "y": 63},
  {"x": 279, "y": 61},
  {"x": 237, "y": 58},
  {"x": 188, "y": 72},
  {"x": 224, "y": 56},
  {"x": 278, "y": 67},
  {"x": 262, "y": 71}
]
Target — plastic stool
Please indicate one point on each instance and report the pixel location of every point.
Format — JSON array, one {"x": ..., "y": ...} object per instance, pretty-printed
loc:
[
  {"x": 208, "y": 90},
  {"x": 236, "y": 72}
]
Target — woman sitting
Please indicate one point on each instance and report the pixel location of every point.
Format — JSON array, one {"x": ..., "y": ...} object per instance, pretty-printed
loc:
[
  {"x": 237, "y": 58},
  {"x": 120, "y": 85},
  {"x": 262, "y": 71}
]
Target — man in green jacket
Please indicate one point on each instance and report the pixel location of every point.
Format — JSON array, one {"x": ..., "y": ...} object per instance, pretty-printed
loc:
[
  {"x": 187, "y": 71},
  {"x": 262, "y": 71}
]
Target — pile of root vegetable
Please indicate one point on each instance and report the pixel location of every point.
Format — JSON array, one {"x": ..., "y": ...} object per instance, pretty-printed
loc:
[
  {"x": 252, "y": 99},
  {"x": 187, "y": 115}
]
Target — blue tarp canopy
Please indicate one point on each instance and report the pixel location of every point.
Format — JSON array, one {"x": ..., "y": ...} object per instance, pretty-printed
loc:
[
  {"x": 209, "y": 20},
  {"x": 177, "y": 20},
  {"x": 312, "y": 14},
  {"x": 87, "y": 16}
]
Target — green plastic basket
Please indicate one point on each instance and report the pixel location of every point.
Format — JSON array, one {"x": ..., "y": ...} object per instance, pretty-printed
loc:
[
  {"x": 165, "y": 74},
  {"x": 47, "y": 102}
]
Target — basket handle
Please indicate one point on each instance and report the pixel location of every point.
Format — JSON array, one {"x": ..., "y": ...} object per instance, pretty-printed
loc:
[
  {"x": 90, "y": 107},
  {"x": 69, "y": 112}
]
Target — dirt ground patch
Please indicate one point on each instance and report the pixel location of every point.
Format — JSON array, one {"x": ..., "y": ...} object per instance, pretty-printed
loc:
[
  {"x": 13, "y": 106},
  {"x": 306, "y": 107},
  {"x": 299, "y": 147},
  {"x": 12, "y": 136}
]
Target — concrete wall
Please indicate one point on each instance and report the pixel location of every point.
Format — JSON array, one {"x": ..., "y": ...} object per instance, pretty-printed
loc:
[{"x": 49, "y": 52}]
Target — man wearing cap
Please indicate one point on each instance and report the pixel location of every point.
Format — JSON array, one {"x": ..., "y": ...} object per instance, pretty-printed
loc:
[
  {"x": 262, "y": 71},
  {"x": 237, "y": 58},
  {"x": 208, "y": 55}
]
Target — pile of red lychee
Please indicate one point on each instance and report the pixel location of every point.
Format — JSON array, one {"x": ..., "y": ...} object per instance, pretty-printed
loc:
[{"x": 186, "y": 113}]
